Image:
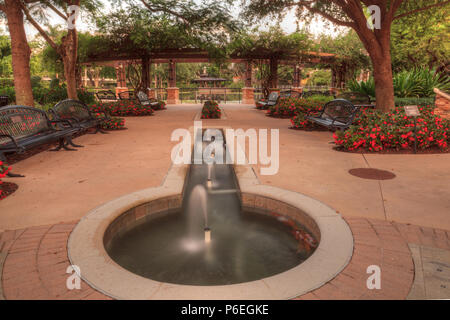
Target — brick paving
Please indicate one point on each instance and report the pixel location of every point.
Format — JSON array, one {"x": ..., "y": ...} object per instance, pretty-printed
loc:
[{"x": 36, "y": 262}]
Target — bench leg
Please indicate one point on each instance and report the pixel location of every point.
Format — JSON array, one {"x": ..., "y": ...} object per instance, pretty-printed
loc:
[
  {"x": 62, "y": 145},
  {"x": 69, "y": 141},
  {"x": 10, "y": 174}
]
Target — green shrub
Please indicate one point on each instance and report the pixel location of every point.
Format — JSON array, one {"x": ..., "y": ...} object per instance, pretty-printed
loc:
[
  {"x": 366, "y": 87},
  {"x": 10, "y": 92},
  {"x": 35, "y": 81},
  {"x": 417, "y": 83},
  {"x": 290, "y": 107},
  {"x": 400, "y": 102},
  {"x": 211, "y": 110},
  {"x": 374, "y": 130},
  {"x": 85, "y": 96},
  {"x": 122, "y": 108},
  {"x": 6, "y": 82}
]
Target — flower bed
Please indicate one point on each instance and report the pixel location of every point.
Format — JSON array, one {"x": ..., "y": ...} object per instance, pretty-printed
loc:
[
  {"x": 377, "y": 131},
  {"x": 4, "y": 169},
  {"x": 211, "y": 110},
  {"x": 113, "y": 123},
  {"x": 260, "y": 106},
  {"x": 123, "y": 108},
  {"x": 290, "y": 107},
  {"x": 161, "y": 106}
]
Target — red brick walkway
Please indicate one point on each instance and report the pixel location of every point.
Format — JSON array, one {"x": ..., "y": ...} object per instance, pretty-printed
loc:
[{"x": 36, "y": 262}]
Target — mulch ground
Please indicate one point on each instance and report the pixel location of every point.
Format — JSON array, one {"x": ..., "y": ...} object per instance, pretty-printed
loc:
[{"x": 7, "y": 188}]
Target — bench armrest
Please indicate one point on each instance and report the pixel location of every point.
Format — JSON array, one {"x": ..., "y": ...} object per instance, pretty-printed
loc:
[{"x": 21, "y": 149}]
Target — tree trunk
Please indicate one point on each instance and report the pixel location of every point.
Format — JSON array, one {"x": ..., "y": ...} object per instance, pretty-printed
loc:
[
  {"x": 68, "y": 53},
  {"x": 20, "y": 52},
  {"x": 382, "y": 74}
]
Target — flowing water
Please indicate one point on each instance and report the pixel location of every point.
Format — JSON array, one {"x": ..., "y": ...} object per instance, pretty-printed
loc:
[{"x": 244, "y": 245}]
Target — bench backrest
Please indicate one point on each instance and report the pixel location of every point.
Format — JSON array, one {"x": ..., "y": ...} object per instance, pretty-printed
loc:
[
  {"x": 273, "y": 96},
  {"x": 69, "y": 108},
  {"x": 339, "y": 109},
  {"x": 127, "y": 95},
  {"x": 355, "y": 97},
  {"x": 142, "y": 97},
  {"x": 105, "y": 95},
  {"x": 21, "y": 121}
]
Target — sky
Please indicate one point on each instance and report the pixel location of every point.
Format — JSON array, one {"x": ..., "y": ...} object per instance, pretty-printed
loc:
[{"x": 289, "y": 24}]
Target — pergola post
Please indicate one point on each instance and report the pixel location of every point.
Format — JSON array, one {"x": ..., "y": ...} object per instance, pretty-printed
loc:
[
  {"x": 173, "y": 93},
  {"x": 297, "y": 81},
  {"x": 248, "y": 93},
  {"x": 121, "y": 78},
  {"x": 273, "y": 66}
]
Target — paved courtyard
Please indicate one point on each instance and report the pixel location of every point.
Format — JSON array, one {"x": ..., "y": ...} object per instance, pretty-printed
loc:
[{"x": 402, "y": 224}]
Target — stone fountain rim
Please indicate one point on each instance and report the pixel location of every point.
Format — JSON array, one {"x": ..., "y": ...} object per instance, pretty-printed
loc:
[{"x": 86, "y": 248}]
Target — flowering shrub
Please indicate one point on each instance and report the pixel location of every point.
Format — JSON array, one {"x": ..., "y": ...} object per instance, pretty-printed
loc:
[
  {"x": 113, "y": 123},
  {"x": 161, "y": 106},
  {"x": 290, "y": 107},
  {"x": 374, "y": 130},
  {"x": 4, "y": 169},
  {"x": 260, "y": 106},
  {"x": 123, "y": 108},
  {"x": 211, "y": 110}
]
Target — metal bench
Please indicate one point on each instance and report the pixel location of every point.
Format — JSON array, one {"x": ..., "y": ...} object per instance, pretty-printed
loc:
[
  {"x": 146, "y": 101},
  {"x": 272, "y": 100},
  {"x": 336, "y": 114},
  {"x": 106, "y": 96},
  {"x": 78, "y": 115},
  {"x": 127, "y": 95},
  {"x": 22, "y": 128},
  {"x": 358, "y": 99}
]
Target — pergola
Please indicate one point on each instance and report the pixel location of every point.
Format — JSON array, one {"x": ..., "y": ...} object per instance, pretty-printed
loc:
[{"x": 298, "y": 60}]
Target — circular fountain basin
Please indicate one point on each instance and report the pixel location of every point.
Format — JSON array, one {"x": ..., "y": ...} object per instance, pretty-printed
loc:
[
  {"x": 245, "y": 246},
  {"x": 91, "y": 246}
]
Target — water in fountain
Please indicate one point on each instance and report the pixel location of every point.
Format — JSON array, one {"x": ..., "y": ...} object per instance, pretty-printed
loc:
[{"x": 174, "y": 247}]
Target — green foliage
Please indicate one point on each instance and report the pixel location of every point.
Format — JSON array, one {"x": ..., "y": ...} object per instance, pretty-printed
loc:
[
  {"x": 320, "y": 78},
  {"x": 417, "y": 83},
  {"x": 211, "y": 110},
  {"x": 8, "y": 91},
  {"x": 376, "y": 131},
  {"x": 421, "y": 40},
  {"x": 366, "y": 87},
  {"x": 400, "y": 102},
  {"x": 35, "y": 81},
  {"x": 290, "y": 107}
]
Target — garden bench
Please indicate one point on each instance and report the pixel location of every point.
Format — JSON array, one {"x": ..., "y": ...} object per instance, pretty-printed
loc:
[
  {"x": 106, "y": 96},
  {"x": 358, "y": 99},
  {"x": 336, "y": 114},
  {"x": 22, "y": 128},
  {"x": 127, "y": 95},
  {"x": 271, "y": 100},
  {"x": 78, "y": 115},
  {"x": 4, "y": 100},
  {"x": 146, "y": 101}
]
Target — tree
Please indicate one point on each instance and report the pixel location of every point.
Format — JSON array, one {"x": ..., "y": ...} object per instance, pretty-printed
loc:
[
  {"x": 421, "y": 40},
  {"x": 353, "y": 14},
  {"x": 20, "y": 52},
  {"x": 67, "y": 48}
]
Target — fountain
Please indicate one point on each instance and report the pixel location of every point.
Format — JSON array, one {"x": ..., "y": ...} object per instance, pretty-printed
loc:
[{"x": 158, "y": 241}]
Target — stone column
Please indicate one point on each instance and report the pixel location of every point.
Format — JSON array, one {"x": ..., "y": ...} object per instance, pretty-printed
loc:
[
  {"x": 173, "y": 93},
  {"x": 248, "y": 93},
  {"x": 442, "y": 103},
  {"x": 121, "y": 78}
]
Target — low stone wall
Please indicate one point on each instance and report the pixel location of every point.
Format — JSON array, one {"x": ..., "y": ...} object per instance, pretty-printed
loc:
[{"x": 442, "y": 104}]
